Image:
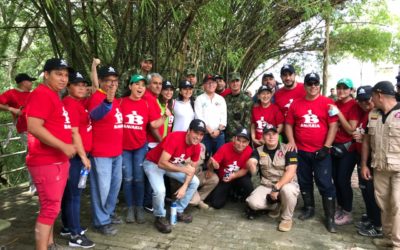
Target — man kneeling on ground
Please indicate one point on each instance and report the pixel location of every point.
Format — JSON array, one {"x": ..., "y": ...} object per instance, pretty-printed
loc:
[
  {"x": 278, "y": 178},
  {"x": 171, "y": 158}
]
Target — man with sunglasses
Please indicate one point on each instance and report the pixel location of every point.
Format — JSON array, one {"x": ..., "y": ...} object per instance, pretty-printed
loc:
[
  {"x": 311, "y": 130},
  {"x": 382, "y": 140}
]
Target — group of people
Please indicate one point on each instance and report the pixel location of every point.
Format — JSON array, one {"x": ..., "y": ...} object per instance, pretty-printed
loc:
[{"x": 210, "y": 139}]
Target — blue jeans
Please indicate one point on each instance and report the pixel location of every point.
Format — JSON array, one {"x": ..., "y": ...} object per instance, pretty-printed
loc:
[
  {"x": 71, "y": 201},
  {"x": 213, "y": 144},
  {"x": 105, "y": 183},
  {"x": 156, "y": 178},
  {"x": 133, "y": 174},
  {"x": 308, "y": 167}
]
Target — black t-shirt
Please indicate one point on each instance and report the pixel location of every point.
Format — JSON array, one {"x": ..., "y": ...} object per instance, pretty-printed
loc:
[{"x": 290, "y": 156}]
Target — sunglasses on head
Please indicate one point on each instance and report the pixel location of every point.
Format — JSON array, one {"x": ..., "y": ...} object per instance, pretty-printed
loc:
[{"x": 309, "y": 84}]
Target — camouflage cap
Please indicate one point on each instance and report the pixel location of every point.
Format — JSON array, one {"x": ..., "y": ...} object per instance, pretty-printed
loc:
[
  {"x": 234, "y": 76},
  {"x": 190, "y": 71},
  {"x": 147, "y": 57}
]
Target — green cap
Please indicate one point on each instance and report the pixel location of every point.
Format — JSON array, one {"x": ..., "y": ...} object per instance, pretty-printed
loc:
[
  {"x": 136, "y": 79},
  {"x": 190, "y": 71},
  {"x": 234, "y": 76},
  {"x": 147, "y": 57},
  {"x": 346, "y": 81}
]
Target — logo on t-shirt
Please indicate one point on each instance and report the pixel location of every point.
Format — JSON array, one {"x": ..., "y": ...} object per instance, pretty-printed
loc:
[
  {"x": 67, "y": 123},
  {"x": 179, "y": 160},
  {"x": 310, "y": 120},
  {"x": 261, "y": 124},
  {"x": 289, "y": 103},
  {"x": 118, "y": 116},
  {"x": 134, "y": 121},
  {"x": 232, "y": 168}
]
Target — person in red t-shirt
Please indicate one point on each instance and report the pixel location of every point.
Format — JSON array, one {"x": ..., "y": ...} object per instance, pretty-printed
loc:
[
  {"x": 177, "y": 157},
  {"x": 311, "y": 130},
  {"x": 222, "y": 89},
  {"x": 230, "y": 162},
  {"x": 343, "y": 153},
  {"x": 291, "y": 90},
  {"x": 82, "y": 139},
  {"x": 264, "y": 113},
  {"x": 50, "y": 147},
  {"x": 137, "y": 115},
  {"x": 106, "y": 173}
]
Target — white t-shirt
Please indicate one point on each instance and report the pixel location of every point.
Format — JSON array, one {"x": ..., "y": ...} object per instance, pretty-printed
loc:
[{"x": 183, "y": 115}]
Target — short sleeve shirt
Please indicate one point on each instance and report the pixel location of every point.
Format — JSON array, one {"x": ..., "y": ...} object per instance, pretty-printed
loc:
[
  {"x": 17, "y": 99},
  {"x": 285, "y": 97},
  {"x": 261, "y": 117}
]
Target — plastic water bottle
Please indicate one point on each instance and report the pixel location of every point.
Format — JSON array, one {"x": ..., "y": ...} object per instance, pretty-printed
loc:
[
  {"x": 173, "y": 217},
  {"x": 83, "y": 178}
]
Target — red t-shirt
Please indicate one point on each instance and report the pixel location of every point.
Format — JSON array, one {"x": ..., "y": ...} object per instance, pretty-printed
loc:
[
  {"x": 285, "y": 97},
  {"x": 226, "y": 92},
  {"x": 261, "y": 116},
  {"x": 80, "y": 118},
  {"x": 361, "y": 126},
  {"x": 45, "y": 104},
  {"x": 310, "y": 121},
  {"x": 229, "y": 160},
  {"x": 107, "y": 132},
  {"x": 350, "y": 112},
  {"x": 16, "y": 99},
  {"x": 151, "y": 99},
  {"x": 175, "y": 144},
  {"x": 136, "y": 115}
]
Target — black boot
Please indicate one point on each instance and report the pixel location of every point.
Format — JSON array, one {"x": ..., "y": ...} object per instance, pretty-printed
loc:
[
  {"x": 250, "y": 213},
  {"x": 308, "y": 210},
  {"x": 329, "y": 208}
]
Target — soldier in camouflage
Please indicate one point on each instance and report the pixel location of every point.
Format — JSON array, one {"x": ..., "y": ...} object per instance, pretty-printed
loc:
[{"x": 238, "y": 106}]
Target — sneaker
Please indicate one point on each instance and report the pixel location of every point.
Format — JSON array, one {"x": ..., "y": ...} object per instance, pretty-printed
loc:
[
  {"x": 338, "y": 213},
  {"x": 139, "y": 215},
  {"x": 107, "y": 230},
  {"x": 362, "y": 224},
  {"x": 66, "y": 233},
  {"x": 115, "y": 219},
  {"x": 187, "y": 218},
  {"x": 382, "y": 242},
  {"x": 371, "y": 231},
  {"x": 80, "y": 241},
  {"x": 285, "y": 225},
  {"x": 162, "y": 225},
  {"x": 130, "y": 216},
  {"x": 149, "y": 208},
  {"x": 344, "y": 219},
  {"x": 203, "y": 205}
]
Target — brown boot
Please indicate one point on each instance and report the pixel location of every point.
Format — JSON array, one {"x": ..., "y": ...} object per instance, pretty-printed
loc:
[
  {"x": 187, "y": 218},
  {"x": 162, "y": 225}
]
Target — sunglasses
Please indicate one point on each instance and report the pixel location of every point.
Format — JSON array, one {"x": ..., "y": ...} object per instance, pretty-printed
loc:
[{"x": 309, "y": 84}]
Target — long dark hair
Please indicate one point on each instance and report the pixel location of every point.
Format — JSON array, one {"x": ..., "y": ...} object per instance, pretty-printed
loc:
[
  {"x": 191, "y": 99},
  {"x": 169, "y": 103}
]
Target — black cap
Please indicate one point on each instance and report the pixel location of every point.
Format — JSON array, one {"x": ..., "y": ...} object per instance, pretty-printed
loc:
[
  {"x": 185, "y": 84},
  {"x": 208, "y": 77},
  {"x": 56, "y": 63},
  {"x": 243, "y": 132},
  {"x": 398, "y": 79},
  {"x": 311, "y": 77},
  {"x": 364, "y": 93},
  {"x": 269, "y": 127},
  {"x": 197, "y": 125},
  {"x": 264, "y": 88},
  {"x": 167, "y": 85},
  {"x": 217, "y": 76},
  {"x": 106, "y": 71},
  {"x": 76, "y": 77},
  {"x": 384, "y": 87},
  {"x": 268, "y": 74},
  {"x": 288, "y": 68},
  {"x": 24, "y": 77}
]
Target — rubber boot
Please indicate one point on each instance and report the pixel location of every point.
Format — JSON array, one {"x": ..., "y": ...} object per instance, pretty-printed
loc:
[
  {"x": 308, "y": 210},
  {"x": 329, "y": 209}
]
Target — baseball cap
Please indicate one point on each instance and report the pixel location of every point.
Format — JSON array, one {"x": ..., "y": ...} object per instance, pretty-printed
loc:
[
  {"x": 190, "y": 71},
  {"x": 398, "y": 80},
  {"x": 269, "y": 127},
  {"x": 76, "y": 77},
  {"x": 264, "y": 88},
  {"x": 217, "y": 76},
  {"x": 147, "y": 57},
  {"x": 311, "y": 77},
  {"x": 384, "y": 87},
  {"x": 56, "y": 63},
  {"x": 106, "y": 71},
  {"x": 288, "y": 68},
  {"x": 207, "y": 78},
  {"x": 197, "y": 125},
  {"x": 24, "y": 77},
  {"x": 234, "y": 76},
  {"x": 167, "y": 85},
  {"x": 185, "y": 84},
  {"x": 364, "y": 93},
  {"x": 268, "y": 74},
  {"x": 345, "y": 81},
  {"x": 243, "y": 132},
  {"x": 136, "y": 78}
]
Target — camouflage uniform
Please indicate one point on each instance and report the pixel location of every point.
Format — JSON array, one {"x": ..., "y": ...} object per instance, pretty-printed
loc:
[{"x": 239, "y": 113}]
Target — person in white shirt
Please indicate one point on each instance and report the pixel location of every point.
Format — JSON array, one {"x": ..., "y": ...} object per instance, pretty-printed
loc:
[{"x": 183, "y": 109}]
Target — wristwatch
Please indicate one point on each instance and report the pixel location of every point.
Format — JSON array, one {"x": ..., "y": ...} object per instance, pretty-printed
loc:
[{"x": 274, "y": 189}]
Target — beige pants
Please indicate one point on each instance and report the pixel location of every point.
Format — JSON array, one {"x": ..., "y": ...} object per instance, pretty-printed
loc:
[
  {"x": 206, "y": 186},
  {"x": 387, "y": 194},
  {"x": 288, "y": 195}
]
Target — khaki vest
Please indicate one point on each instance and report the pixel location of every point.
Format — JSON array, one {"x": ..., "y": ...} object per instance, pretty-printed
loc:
[
  {"x": 272, "y": 171},
  {"x": 385, "y": 140}
]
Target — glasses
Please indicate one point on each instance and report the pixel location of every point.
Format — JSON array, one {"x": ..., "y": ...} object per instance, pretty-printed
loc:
[
  {"x": 111, "y": 81},
  {"x": 309, "y": 84}
]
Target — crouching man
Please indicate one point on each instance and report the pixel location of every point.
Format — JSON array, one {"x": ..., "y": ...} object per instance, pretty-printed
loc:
[
  {"x": 177, "y": 157},
  {"x": 278, "y": 188}
]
